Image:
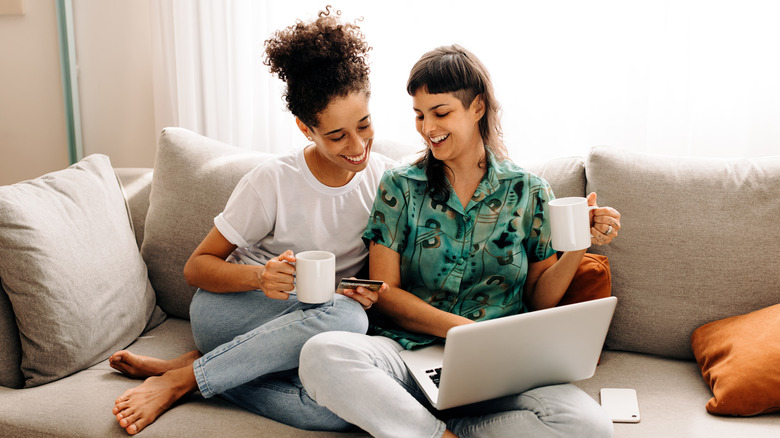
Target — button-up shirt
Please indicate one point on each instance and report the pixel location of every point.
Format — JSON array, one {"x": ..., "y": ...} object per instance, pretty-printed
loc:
[{"x": 472, "y": 262}]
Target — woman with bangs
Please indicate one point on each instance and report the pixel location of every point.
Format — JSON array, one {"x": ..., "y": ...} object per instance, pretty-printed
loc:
[{"x": 441, "y": 232}]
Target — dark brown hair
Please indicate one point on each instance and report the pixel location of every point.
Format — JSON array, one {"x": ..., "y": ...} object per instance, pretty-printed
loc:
[
  {"x": 318, "y": 61},
  {"x": 453, "y": 69}
]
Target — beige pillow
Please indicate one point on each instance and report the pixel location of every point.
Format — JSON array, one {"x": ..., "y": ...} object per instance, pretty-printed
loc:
[
  {"x": 72, "y": 270},
  {"x": 193, "y": 179},
  {"x": 11, "y": 356}
]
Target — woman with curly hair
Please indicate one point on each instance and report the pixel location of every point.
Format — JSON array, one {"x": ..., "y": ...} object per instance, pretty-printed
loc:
[{"x": 248, "y": 329}]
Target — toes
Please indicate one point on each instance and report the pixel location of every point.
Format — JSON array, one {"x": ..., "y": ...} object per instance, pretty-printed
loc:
[
  {"x": 136, "y": 426},
  {"x": 121, "y": 402},
  {"x": 127, "y": 419}
]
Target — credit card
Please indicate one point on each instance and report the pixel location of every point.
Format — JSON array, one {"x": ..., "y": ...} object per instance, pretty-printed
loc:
[{"x": 354, "y": 283}]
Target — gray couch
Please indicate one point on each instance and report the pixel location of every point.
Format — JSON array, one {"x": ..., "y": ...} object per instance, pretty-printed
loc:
[{"x": 699, "y": 243}]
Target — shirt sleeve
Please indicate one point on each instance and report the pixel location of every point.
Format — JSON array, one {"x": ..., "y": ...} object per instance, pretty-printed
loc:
[
  {"x": 245, "y": 219},
  {"x": 538, "y": 246},
  {"x": 387, "y": 223}
]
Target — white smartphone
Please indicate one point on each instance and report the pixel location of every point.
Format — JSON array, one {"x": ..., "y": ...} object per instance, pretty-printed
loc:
[{"x": 621, "y": 404}]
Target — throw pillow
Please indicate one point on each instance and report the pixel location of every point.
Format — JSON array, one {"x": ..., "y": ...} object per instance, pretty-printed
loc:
[
  {"x": 592, "y": 280},
  {"x": 72, "y": 270},
  {"x": 11, "y": 356},
  {"x": 738, "y": 357},
  {"x": 193, "y": 179}
]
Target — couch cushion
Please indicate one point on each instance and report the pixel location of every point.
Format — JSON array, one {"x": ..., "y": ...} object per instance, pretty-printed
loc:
[
  {"x": 671, "y": 395},
  {"x": 699, "y": 242},
  {"x": 11, "y": 358},
  {"x": 565, "y": 175},
  {"x": 80, "y": 405},
  {"x": 72, "y": 270},
  {"x": 193, "y": 179},
  {"x": 136, "y": 184},
  {"x": 739, "y": 358}
]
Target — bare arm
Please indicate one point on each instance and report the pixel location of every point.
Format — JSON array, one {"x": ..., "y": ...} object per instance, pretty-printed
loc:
[
  {"x": 547, "y": 280},
  {"x": 404, "y": 308},
  {"x": 208, "y": 270}
]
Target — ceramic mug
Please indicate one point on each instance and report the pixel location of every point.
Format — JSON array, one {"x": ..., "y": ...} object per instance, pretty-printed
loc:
[
  {"x": 570, "y": 223},
  {"x": 315, "y": 276}
]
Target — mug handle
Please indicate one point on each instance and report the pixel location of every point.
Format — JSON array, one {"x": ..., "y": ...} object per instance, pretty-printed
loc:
[{"x": 591, "y": 208}]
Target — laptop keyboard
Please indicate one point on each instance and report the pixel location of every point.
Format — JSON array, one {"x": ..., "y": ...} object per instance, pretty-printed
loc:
[{"x": 435, "y": 375}]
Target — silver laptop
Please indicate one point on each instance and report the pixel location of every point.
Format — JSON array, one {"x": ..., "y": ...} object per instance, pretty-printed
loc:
[{"x": 513, "y": 354}]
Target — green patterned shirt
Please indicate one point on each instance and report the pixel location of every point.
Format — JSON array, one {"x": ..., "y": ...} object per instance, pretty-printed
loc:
[{"x": 470, "y": 262}]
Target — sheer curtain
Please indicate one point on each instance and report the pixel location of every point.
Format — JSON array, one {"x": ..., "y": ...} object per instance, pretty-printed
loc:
[{"x": 682, "y": 77}]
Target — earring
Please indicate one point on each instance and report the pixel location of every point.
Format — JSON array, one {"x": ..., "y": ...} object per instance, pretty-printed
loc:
[{"x": 310, "y": 139}]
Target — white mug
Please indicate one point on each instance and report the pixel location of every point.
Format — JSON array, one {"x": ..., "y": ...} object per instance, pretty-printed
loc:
[
  {"x": 570, "y": 223},
  {"x": 315, "y": 276}
]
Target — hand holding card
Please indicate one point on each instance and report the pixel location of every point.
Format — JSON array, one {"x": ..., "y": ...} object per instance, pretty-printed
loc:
[
  {"x": 368, "y": 296},
  {"x": 354, "y": 283}
]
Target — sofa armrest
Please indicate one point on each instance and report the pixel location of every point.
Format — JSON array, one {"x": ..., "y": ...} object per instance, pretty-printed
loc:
[{"x": 136, "y": 184}]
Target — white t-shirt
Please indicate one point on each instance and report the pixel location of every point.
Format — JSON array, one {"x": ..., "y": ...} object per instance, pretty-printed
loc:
[{"x": 280, "y": 205}]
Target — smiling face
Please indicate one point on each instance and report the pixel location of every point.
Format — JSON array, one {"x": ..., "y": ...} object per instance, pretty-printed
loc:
[
  {"x": 342, "y": 139},
  {"x": 450, "y": 130}
]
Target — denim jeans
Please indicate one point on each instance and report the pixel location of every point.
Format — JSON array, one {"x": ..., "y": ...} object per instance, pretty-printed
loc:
[
  {"x": 363, "y": 380},
  {"x": 252, "y": 345}
]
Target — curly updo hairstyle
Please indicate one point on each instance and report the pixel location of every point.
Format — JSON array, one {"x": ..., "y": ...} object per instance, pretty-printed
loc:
[{"x": 319, "y": 61}]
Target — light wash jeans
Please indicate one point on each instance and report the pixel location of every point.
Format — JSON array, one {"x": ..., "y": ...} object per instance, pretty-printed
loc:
[
  {"x": 363, "y": 380},
  {"x": 251, "y": 347}
]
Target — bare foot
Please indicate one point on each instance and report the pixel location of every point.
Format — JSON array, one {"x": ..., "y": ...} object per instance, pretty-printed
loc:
[
  {"x": 141, "y": 367},
  {"x": 140, "y": 406}
]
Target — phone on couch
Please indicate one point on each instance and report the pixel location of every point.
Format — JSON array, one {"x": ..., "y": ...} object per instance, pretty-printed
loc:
[{"x": 621, "y": 404}]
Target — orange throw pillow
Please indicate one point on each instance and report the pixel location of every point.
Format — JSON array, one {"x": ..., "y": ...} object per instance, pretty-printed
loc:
[
  {"x": 739, "y": 358},
  {"x": 592, "y": 280}
]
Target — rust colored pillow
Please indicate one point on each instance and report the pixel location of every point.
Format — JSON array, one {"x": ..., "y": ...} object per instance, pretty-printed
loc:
[
  {"x": 592, "y": 280},
  {"x": 739, "y": 358}
]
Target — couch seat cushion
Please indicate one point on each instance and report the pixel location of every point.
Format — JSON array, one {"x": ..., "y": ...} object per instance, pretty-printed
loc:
[{"x": 671, "y": 395}]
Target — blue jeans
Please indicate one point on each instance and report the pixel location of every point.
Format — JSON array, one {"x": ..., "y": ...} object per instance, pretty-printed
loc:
[
  {"x": 252, "y": 345},
  {"x": 363, "y": 379}
]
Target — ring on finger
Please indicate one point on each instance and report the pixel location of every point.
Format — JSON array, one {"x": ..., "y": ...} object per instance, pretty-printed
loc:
[{"x": 609, "y": 231}]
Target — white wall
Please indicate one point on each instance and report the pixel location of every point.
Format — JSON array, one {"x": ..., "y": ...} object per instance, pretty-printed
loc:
[
  {"x": 113, "y": 51},
  {"x": 33, "y": 137},
  {"x": 113, "y": 47}
]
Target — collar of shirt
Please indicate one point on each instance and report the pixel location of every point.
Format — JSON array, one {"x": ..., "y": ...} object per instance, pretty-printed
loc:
[{"x": 496, "y": 172}]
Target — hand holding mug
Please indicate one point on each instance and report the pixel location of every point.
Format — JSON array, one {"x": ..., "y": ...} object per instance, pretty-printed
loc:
[
  {"x": 571, "y": 226},
  {"x": 276, "y": 278},
  {"x": 606, "y": 222}
]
